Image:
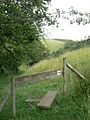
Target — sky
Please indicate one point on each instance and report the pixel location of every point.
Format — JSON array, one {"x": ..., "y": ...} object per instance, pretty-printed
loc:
[{"x": 65, "y": 29}]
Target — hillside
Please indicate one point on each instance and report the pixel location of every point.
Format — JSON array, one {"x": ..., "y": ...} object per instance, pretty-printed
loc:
[
  {"x": 53, "y": 45},
  {"x": 71, "y": 107},
  {"x": 63, "y": 40},
  {"x": 77, "y": 58}
]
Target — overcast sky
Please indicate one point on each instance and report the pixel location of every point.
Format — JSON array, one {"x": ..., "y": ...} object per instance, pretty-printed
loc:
[{"x": 66, "y": 30}]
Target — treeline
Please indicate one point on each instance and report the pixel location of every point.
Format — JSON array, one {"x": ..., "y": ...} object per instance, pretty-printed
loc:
[{"x": 70, "y": 46}]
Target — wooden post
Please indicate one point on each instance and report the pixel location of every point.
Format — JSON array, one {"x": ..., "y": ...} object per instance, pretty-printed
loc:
[
  {"x": 64, "y": 76},
  {"x": 13, "y": 96}
]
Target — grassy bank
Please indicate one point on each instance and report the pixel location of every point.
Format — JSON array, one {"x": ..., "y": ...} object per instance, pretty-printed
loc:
[
  {"x": 70, "y": 107},
  {"x": 79, "y": 59}
]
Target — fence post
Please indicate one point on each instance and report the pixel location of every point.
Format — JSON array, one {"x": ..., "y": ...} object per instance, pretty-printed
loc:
[
  {"x": 64, "y": 76},
  {"x": 13, "y": 96}
]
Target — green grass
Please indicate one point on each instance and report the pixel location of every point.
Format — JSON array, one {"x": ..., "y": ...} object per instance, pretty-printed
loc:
[
  {"x": 71, "y": 107},
  {"x": 62, "y": 109},
  {"x": 4, "y": 85},
  {"x": 79, "y": 59},
  {"x": 53, "y": 45}
]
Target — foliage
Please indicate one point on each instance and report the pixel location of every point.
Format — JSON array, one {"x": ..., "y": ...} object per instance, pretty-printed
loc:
[
  {"x": 36, "y": 52},
  {"x": 74, "y": 16},
  {"x": 21, "y": 23},
  {"x": 79, "y": 17}
]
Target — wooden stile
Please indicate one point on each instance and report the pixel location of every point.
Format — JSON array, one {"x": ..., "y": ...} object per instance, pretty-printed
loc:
[{"x": 48, "y": 99}]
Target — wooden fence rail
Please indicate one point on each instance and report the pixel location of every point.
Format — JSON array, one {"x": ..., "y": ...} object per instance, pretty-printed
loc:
[
  {"x": 75, "y": 71},
  {"x": 65, "y": 66},
  {"x": 39, "y": 77}
]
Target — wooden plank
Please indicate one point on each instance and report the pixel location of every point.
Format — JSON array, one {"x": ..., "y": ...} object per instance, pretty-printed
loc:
[
  {"x": 5, "y": 100},
  {"x": 75, "y": 71},
  {"x": 39, "y": 77},
  {"x": 47, "y": 100}
]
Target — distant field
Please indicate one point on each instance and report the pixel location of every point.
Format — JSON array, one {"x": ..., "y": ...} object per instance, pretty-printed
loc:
[{"x": 53, "y": 45}]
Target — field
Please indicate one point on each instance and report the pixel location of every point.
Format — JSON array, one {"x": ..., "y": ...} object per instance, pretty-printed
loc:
[
  {"x": 53, "y": 45},
  {"x": 70, "y": 107}
]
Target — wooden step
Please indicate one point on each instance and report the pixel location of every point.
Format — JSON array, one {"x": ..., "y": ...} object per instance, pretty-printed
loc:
[
  {"x": 32, "y": 100},
  {"x": 47, "y": 100}
]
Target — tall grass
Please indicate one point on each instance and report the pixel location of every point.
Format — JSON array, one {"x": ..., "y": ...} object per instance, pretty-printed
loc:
[
  {"x": 70, "y": 107},
  {"x": 79, "y": 59}
]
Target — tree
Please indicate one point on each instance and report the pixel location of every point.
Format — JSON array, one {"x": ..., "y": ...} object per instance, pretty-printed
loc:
[
  {"x": 36, "y": 52},
  {"x": 74, "y": 16},
  {"x": 21, "y": 23}
]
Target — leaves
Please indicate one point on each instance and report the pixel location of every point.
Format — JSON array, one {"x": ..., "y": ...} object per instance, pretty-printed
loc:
[{"x": 74, "y": 16}]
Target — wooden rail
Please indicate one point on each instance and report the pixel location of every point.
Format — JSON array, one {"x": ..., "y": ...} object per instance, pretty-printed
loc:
[
  {"x": 65, "y": 66},
  {"x": 75, "y": 71},
  {"x": 39, "y": 77}
]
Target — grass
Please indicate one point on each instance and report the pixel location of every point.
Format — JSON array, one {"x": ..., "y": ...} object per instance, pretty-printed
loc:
[
  {"x": 4, "y": 85},
  {"x": 62, "y": 109},
  {"x": 70, "y": 107},
  {"x": 79, "y": 59},
  {"x": 53, "y": 45}
]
